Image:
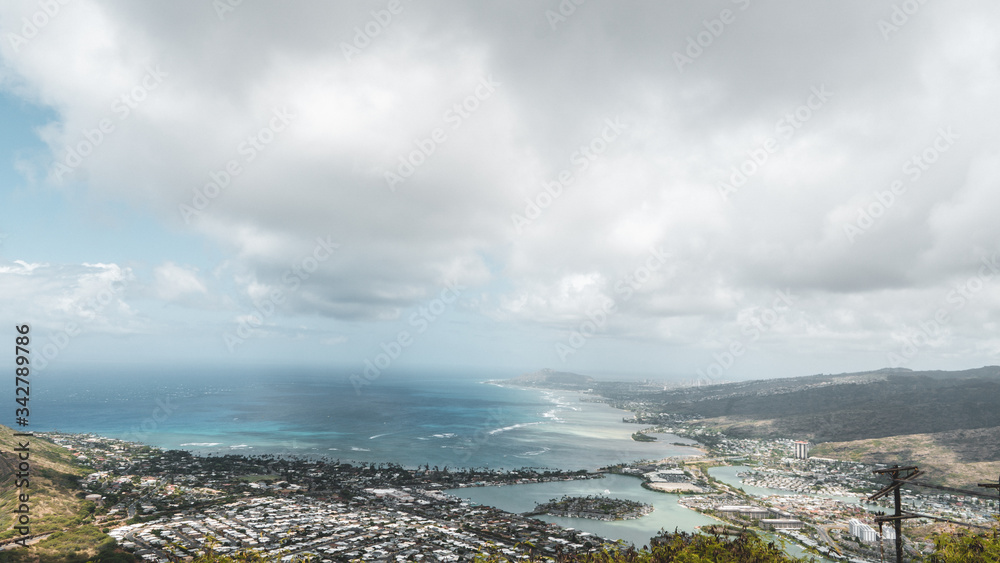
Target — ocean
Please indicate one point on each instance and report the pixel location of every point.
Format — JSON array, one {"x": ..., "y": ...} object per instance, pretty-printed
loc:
[{"x": 414, "y": 419}]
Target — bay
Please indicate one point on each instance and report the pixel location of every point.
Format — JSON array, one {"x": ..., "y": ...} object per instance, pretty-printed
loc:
[{"x": 667, "y": 513}]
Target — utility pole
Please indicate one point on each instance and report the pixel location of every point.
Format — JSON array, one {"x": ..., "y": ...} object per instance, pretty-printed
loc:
[
  {"x": 894, "y": 487},
  {"x": 898, "y": 522},
  {"x": 897, "y": 517},
  {"x": 992, "y": 486}
]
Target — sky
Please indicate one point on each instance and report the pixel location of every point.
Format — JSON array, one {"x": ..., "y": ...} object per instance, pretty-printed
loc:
[{"x": 693, "y": 191}]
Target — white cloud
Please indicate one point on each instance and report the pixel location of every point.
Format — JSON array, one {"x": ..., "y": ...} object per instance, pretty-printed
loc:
[
  {"x": 655, "y": 185},
  {"x": 91, "y": 295},
  {"x": 173, "y": 282}
]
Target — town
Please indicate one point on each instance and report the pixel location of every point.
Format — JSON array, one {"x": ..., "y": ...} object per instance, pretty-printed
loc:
[
  {"x": 816, "y": 502},
  {"x": 170, "y": 505}
]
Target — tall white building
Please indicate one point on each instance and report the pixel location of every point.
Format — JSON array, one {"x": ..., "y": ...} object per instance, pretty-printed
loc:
[
  {"x": 801, "y": 450},
  {"x": 862, "y": 531},
  {"x": 867, "y": 534}
]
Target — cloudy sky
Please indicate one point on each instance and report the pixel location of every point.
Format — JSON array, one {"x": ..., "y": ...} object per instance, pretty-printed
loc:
[{"x": 723, "y": 190}]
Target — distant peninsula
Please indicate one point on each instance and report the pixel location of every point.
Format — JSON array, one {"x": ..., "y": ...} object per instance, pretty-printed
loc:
[{"x": 550, "y": 379}]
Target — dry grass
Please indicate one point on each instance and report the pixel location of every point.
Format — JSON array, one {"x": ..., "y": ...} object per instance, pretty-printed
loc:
[
  {"x": 52, "y": 493},
  {"x": 958, "y": 458}
]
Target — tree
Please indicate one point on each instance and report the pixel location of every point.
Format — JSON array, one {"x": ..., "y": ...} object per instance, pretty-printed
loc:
[
  {"x": 966, "y": 548},
  {"x": 683, "y": 548}
]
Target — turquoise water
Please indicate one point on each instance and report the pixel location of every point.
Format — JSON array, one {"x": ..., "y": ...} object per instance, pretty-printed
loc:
[
  {"x": 667, "y": 514},
  {"x": 727, "y": 474},
  {"x": 412, "y": 419}
]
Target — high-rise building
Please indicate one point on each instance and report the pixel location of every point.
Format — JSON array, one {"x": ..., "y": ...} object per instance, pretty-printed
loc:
[
  {"x": 867, "y": 534},
  {"x": 801, "y": 450}
]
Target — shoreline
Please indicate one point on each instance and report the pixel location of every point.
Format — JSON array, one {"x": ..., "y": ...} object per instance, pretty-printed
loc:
[
  {"x": 589, "y": 435},
  {"x": 676, "y": 489},
  {"x": 701, "y": 448}
]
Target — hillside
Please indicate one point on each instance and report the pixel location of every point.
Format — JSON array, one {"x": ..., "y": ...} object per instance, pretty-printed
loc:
[
  {"x": 945, "y": 422},
  {"x": 55, "y": 501},
  {"x": 960, "y": 458},
  {"x": 837, "y": 408}
]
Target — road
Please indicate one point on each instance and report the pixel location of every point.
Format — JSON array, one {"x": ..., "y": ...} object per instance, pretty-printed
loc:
[{"x": 825, "y": 537}]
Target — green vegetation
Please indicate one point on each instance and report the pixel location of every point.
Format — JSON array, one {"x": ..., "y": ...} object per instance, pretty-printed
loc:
[
  {"x": 746, "y": 547},
  {"x": 837, "y": 408},
  {"x": 640, "y": 437},
  {"x": 56, "y": 502},
  {"x": 742, "y": 547},
  {"x": 950, "y": 418},
  {"x": 966, "y": 548},
  {"x": 600, "y": 507},
  {"x": 684, "y": 548},
  {"x": 84, "y": 543},
  {"x": 54, "y": 484}
]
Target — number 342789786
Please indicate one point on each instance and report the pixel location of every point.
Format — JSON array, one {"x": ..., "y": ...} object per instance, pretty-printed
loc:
[{"x": 22, "y": 371}]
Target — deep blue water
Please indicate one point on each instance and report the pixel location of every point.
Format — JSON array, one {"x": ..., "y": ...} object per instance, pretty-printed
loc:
[{"x": 411, "y": 419}]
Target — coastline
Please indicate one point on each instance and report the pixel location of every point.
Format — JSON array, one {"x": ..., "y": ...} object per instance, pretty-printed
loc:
[
  {"x": 627, "y": 428},
  {"x": 460, "y": 422},
  {"x": 671, "y": 513}
]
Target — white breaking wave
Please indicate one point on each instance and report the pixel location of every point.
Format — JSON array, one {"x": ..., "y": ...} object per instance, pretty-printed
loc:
[
  {"x": 512, "y": 427},
  {"x": 552, "y": 415},
  {"x": 534, "y": 453},
  {"x": 203, "y": 444},
  {"x": 357, "y": 449}
]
